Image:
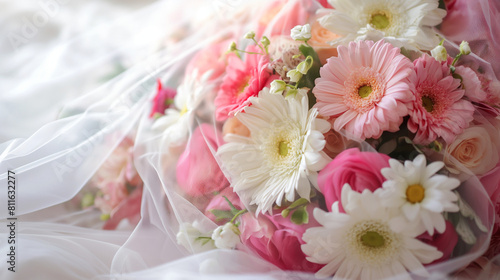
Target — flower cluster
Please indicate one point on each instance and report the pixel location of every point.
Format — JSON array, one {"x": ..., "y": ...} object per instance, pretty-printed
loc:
[
  {"x": 347, "y": 145},
  {"x": 116, "y": 188}
]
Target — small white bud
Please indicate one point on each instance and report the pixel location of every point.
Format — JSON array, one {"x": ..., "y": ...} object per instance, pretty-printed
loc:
[
  {"x": 265, "y": 41},
  {"x": 465, "y": 48},
  {"x": 250, "y": 35},
  {"x": 193, "y": 238},
  {"x": 301, "y": 32},
  {"x": 296, "y": 94},
  {"x": 294, "y": 75},
  {"x": 277, "y": 87},
  {"x": 439, "y": 53},
  {"x": 226, "y": 236},
  {"x": 305, "y": 65},
  {"x": 232, "y": 47}
]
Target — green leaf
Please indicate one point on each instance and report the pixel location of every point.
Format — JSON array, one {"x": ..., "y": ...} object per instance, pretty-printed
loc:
[
  {"x": 312, "y": 74},
  {"x": 222, "y": 214},
  {"x": 300, "y": 216},
  {"x": 234, "y": 210},
  {"x": 204, "y": 240},
  {"x": 442, "y": 5},
  {"x": 285, "y": 213},
  {"x": 299, "y": 202}
]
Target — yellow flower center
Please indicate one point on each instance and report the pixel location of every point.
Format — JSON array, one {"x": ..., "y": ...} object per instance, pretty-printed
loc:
[
  {"x": 243, "y": 85},
  {"x": 380, "y": 20},
  {"x": 372, "y": 239},
  {"x": 184, "y": 110},
  {"x": 373, "y": 242},
  {"x": 283, "y": 148},
  {"x": 364, "y": 91},
  {"x": 415, "y": 193},
  {"x": 428, "y": 104}
]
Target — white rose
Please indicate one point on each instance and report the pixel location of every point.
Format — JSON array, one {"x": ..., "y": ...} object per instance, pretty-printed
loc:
[
  {"x": 475, "y": 149},
  {"x": 226, "y": 236},
  {"x": 301, "y": 32}
]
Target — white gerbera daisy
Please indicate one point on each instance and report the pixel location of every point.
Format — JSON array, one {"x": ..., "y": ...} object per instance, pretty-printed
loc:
[
  {"x": 282, "y": 155},
  {"x": 177, "y": 121},
  {"x": 403, "y": 23},
  {"x": 362, "y": 244},
  {"x": 420, "y": 193}
]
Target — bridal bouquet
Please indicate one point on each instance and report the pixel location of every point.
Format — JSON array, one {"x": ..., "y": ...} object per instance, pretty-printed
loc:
[{"x": 344, "y": 138}]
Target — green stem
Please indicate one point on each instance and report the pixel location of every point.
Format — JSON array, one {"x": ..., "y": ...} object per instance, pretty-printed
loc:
[
  {"x": 251, "y": 52},
  {"x": 241, "y": 212},
  {"x": 456, "y": 59}
]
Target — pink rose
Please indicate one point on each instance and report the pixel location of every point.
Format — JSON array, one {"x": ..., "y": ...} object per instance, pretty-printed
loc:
[
  {"x": 494, "y": 247},
  {"x": 163, "y": 99},
  {"x": 278, "y": 240},
  {"x": 281, "y": 16},
  {"x": 491, "y": 183},
  {"x": 218, "y": 202},
  {"x": 359, "y": 169},
  {"x": 211, "y": 58},
  {"x": 112, "y": 193},
  {"x": 475, "y": 149},
  {"x": 336, "y": 142},
  {"x": 198, "y": 173},
  {"x": 444, "y": 242},
  {"x": 113, "y": 177},
  {"x": 481, "y": 268},
  {"x": 129, "y": 208}
]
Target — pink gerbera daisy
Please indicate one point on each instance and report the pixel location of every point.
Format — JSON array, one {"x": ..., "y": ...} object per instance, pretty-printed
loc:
[
  {"x": 243, "y": 79},
  {"x": 367, "y": 88},
  {"x": 438, "y": 110}
]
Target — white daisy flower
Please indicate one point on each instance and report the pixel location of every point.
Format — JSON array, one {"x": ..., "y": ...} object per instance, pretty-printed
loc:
[
  {"x": 176, "y": 123},
  {"x": 362, "y": 243},
  {"x": 282, "y": 155},
  {"x": 420, "y": 193},
  {"x": 403, "y": 23}
]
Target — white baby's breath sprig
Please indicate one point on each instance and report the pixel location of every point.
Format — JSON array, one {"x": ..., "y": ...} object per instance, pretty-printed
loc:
[
  {"x": 301, "y": 32},
  {"x": 305, "y": 65},
  {"x": 439, "y": 53},
  {"x": 226, "y": 236},
  {"x": 277, "y": 87},
  {"x": 250, "y": 35},
  {"x": 465, "y": 48},
  {"x": 294, "y": 75}
]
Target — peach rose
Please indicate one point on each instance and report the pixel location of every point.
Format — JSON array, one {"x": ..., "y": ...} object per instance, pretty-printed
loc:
[
  {"x": 475, "y": 149},
  {"x": 336, "y": 142},
  {"x": 320, "y": 37},
  {"x": 234, "y": 126}
]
